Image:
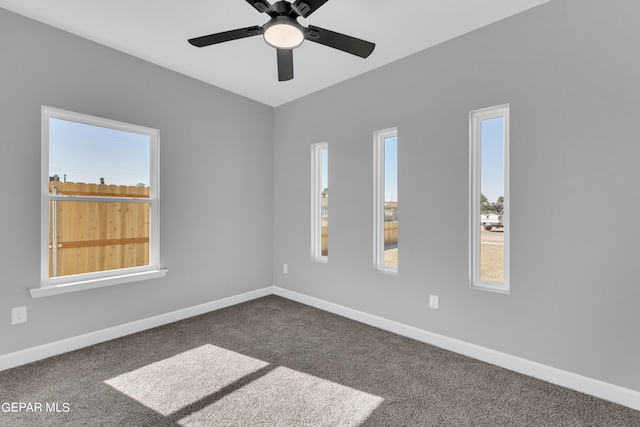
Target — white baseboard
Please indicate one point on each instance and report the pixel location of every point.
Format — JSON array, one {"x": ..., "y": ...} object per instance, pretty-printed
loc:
[
  {"x": 590, "y": 386},
  {"x": 600, "y": 389},
  {"x": 29, "y": 355}
]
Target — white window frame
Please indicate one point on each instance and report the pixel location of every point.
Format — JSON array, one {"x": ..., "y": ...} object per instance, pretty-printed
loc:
[
  {"x": 72, "y": 283},
  {"x": 316, "y": 203},
  {"x": 475, "y": 122},
  {"x": 378, "y": 199}
]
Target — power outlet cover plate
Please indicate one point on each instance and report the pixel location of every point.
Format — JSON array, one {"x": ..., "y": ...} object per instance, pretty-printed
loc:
[
  {"x": 434, "y": 301},
  {"x": 18, "y": 315}
]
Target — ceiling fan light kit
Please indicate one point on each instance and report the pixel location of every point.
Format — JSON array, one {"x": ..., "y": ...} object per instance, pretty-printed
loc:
[{"x": 284, "y": 33}]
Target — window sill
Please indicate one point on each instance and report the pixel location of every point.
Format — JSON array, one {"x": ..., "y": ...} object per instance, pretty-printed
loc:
[
  {"x": 389, "y": 271},
  {"x": 46, "y": 291},
  {"x": 499, "y": 289}
]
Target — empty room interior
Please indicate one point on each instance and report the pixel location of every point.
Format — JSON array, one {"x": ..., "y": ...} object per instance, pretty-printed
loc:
[{"x": 221, "y": 262}]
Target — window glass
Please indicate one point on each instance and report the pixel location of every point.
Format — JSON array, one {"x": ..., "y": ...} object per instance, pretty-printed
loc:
[
  {"x": 324, "y": 202},
  {"x": 97, "y": 236},
  {"x": 320, "y": 201},
  {"x": 391, "y": 202},
  {"x": 492, "y": 200},
  {"x": 90, "y": 154}
]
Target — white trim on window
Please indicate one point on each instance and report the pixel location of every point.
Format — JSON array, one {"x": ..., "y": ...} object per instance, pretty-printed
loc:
[
  {"x": 70, "y": 283},
  {"x": 379, "y": 138},
  {"x": 316, "y": 201},
  {"x": 475, "y": 130}
]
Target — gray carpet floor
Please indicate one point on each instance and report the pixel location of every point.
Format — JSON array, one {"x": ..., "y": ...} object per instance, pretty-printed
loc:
[{"x": 272, "y": 362}]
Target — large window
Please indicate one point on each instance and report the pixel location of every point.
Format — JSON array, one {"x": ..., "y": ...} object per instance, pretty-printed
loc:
[
  {"x": 99, "y": 202},
  {"x": 320, "y": 202},
  {"x": 385, "y": 180},
  {"x": 489, "y": 129}
]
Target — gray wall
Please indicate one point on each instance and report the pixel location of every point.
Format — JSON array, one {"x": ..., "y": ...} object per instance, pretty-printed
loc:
[
  {"x": 216, "y": 181},
  {"x": 570, "y": 70}
]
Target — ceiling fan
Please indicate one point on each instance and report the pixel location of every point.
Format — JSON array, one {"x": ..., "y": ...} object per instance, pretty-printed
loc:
[{"x": 284, "y": 33}]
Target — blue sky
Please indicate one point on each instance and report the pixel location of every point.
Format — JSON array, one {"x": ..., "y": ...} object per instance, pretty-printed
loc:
[
  {"x": 391, "y": 169},
  {"x": 86, "y": 153},
  {"x": 492, "y": 158},
  {"x": 325, "y": 168}
]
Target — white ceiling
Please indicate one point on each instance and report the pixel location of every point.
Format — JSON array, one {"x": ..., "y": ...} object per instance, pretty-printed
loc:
[{"x": 157, "y": 31}]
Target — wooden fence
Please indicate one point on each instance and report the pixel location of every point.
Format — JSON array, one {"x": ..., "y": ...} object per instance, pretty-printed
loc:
[
  {"x": 390, "y": 232},
  {"x": 98, "y": 236},
  {"x": 324, "y": 240}
]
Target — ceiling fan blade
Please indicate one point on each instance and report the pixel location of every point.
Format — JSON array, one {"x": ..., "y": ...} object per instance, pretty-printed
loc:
[
  {"x": 260, "y": 5},
  {"x": 339, "y": 41},
  {"x": 305, "y": 8},
  {"x": 285, "y": 64},
  {"x": 226, "y": 36}
]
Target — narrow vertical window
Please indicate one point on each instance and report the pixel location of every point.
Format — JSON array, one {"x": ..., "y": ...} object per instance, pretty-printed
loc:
[
  {"x": 320, "y": 202},
  {"x": 386, "y": 200},
  {"x": 489, "y": 130}
]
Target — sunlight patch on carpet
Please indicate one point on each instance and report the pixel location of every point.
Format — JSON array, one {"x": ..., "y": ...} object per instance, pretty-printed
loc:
[
  {"x": 171, "y": 384},
  {"x": 288, "y": 397}
]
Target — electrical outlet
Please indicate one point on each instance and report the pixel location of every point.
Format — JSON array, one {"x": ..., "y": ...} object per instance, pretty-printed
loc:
[
  {"x": 18, "y": 315},
  {"x": 433, "y": 301},
  {"x": 285, "y": 268}
]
